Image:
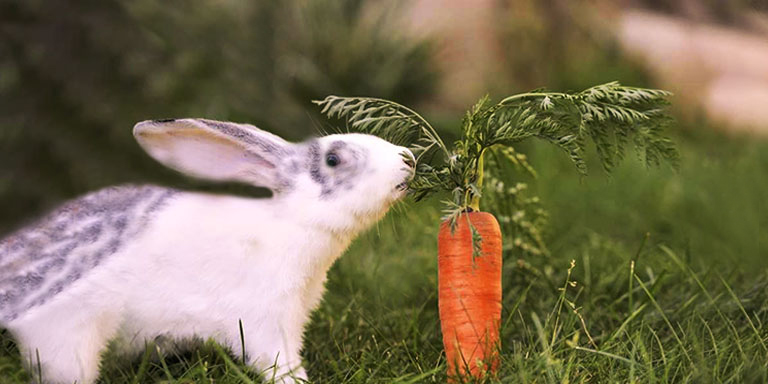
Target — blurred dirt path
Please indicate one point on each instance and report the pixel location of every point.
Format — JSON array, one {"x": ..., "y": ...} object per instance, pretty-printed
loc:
[{"x": 724, "y": 71}]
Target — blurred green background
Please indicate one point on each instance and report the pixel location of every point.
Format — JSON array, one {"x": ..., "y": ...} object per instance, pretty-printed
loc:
[{"x": 76, "y": 75}]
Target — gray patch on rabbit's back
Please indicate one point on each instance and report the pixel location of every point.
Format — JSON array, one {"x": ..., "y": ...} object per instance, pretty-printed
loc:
[{"x": 42, "y": 260}]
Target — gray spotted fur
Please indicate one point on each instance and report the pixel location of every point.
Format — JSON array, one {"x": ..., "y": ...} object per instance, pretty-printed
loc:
[
  {"x": 353, "y": 161},
  {"x": 247, "y": 137},
  {"x": 43, "y": 259}
]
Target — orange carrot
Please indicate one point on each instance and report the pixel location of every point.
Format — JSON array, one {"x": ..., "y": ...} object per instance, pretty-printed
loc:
[{"x": 470, "y": 295}]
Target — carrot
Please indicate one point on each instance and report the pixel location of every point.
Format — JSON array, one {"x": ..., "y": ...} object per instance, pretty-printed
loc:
[{"x": 469, "y": 299}]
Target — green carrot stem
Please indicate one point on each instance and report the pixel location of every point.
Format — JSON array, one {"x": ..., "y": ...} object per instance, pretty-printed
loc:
[
  {"x": 475, "y": 203},
  {"x": 532, "y": 94}
]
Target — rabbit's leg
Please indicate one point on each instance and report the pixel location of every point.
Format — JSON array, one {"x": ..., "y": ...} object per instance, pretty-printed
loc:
[
  {"x": 67, "y": 347},
  {"x": 275, "y": 351},
  {"x": 282, "y": 372}
]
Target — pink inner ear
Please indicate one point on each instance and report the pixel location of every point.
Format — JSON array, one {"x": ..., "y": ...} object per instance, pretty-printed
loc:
[
  {"x": 255, "y": 169},
  {"x": 210, "y": 159},
  {"x": 257, "y": 160}
]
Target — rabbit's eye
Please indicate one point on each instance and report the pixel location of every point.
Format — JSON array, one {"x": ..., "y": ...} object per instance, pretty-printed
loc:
[{"x": 332, "y": 160}]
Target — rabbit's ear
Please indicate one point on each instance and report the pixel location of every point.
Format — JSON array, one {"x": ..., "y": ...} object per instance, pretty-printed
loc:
[{"x": 215, "y": 150}]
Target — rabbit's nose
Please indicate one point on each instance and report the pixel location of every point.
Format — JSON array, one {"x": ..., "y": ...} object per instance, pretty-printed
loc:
[{"x": 408, "y": 158}]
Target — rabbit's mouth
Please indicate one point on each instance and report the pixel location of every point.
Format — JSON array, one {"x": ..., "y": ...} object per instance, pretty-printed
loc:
[
  {"x": 400, "y": 190},
  {"x": 402, "y": 187}
]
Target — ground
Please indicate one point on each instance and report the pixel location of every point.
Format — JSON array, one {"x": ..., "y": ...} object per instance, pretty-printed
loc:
[{"x": 653, "y": 276}]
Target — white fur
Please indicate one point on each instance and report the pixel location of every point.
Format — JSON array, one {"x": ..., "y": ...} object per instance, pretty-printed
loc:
[{"x": 206, "y": 261}]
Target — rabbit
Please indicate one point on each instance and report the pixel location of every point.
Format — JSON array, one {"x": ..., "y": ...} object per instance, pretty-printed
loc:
[{"x": 145, "y": 262}]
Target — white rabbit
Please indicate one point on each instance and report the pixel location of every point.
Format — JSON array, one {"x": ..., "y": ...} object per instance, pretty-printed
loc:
[{"x": 140, "y": 262}]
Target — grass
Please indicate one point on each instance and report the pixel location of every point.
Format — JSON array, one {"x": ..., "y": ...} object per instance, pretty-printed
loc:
[{"x": 653, "y": 277}]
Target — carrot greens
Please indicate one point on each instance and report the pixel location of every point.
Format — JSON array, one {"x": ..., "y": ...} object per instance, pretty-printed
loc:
[{"x": 610, "y": 116}]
